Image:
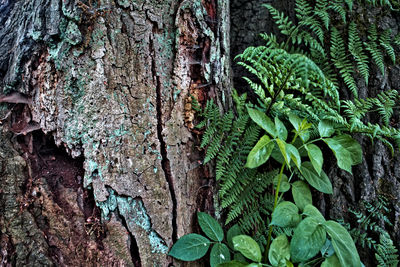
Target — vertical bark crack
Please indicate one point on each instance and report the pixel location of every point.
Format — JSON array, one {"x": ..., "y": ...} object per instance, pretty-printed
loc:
[
  {"x": 165, "y": 163},
  {"x": 134, "y": 249}
]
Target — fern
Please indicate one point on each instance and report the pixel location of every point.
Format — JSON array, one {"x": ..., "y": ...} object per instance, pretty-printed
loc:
[
  {"x": 385, "y": 41},
  {"x": 321, "y": 11},
  {"x": 305, "y": 17},
  {"x": 373, "y": 223},
  {"x": 338, "y": 7},
  {"x": 341, "y": 61},
  {"x": 356, "y": 50},
  {"x": 386, "y": 253},
  {"x": 372, "y": 47},
  {"x": 285, "y": 25}
]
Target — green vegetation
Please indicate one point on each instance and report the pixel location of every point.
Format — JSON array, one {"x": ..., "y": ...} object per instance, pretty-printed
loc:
[{"x": 268, "y": 152}]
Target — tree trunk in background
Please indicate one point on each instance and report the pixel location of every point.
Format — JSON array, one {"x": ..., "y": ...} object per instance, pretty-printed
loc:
[
  {"x": 97, "y": 122},
  {"x": 379, "y": 173}
]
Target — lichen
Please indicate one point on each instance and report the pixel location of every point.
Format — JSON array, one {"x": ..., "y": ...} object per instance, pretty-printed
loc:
[
  {"x": 135, "y": 215},
  {"x": 124, "y": 3},
  {"x": 73, "y": 34}
]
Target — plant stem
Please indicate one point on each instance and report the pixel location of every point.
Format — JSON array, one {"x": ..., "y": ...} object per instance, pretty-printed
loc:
[{"x": 275, "y": 204}]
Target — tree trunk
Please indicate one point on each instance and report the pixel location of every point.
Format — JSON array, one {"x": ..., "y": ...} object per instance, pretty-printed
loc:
[{"x": 98, "y": 150}]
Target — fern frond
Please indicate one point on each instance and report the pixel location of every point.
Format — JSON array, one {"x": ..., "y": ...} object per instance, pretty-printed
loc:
[
  {"x": 285, "y": 25},
  {"x": 356, "y": 50},
  {"x": 373, "y": 48},
  {"x": 321, "y": 11},
  {"x": 304, "y": 15},
  {"x": 386, "y": 253},
  {"x": 385, "y": 41},
  {"x": 341, "y": 61},
  {"x": 338, "y": 7}
]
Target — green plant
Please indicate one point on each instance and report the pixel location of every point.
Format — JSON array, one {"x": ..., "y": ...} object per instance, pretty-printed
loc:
[
  {"x": 371, "y": 225},
  {"x": 386, "y": 253},
  {"x": 192, "y": 247},
  {"x": 298, "y": 111}
]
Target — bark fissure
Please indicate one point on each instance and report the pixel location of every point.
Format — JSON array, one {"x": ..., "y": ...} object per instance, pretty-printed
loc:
[
  {"x": 165, "y": 163},
  {"x": 133, "y": 247}
]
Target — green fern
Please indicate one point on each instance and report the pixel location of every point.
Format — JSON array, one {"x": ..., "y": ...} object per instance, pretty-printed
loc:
[
  {"x": 338, "y": 7},
  {"x": 321, "y": 11},
  {"x": 372, "y": 47},
  {"x": 341, "y": 61},
  {"x": 386, "y": 253},
  {"x": 370, "y": 224},
  {"x": 356, "y": 50},
  {"x": 385, "y": 40},
  {"x": 285, "y": 25}
]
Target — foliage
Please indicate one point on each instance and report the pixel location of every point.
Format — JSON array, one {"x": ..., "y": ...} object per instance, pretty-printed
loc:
[
  {"x": 273, "y": 144},
  {"x": 371, "y": 225},
  {"x": 192, "y": 247},
  {"x": 386, "y": 253}
]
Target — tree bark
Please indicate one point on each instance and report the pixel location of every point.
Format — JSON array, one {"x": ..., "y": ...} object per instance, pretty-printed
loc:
[{"x": 99, "y": 158}]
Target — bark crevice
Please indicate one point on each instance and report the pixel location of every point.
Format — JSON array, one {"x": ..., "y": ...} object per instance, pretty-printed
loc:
[
  {"x": 133, "y": 247},
  {"x": 165, "y": 163}
]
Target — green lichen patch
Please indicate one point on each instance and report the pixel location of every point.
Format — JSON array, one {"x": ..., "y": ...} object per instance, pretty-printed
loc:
[
  {"x": 72, "y": 34},
  {"x": 135, "y": 215}
]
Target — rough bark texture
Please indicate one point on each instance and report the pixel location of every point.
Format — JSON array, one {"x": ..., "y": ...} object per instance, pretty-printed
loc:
[
  {"x": 379, "y": 173},
  {"x": 98, "y": 153}
]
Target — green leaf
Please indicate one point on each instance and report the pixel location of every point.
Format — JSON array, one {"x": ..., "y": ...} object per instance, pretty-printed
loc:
[
  {"x": 315, "y": 155},
  {"x": 301, "y": 194},
  {"x": 320, "y": 182},
  {"x": 279, "y": 251},
  {"x": 219, "y": 254},
  {"x": 343, "y": 243},
  {"x": 285, "y": 186},
  {"x": 332, "y": 261},
  {"x": 347, "y": 151},
  {"x": 233, "y": 231},
  {"x": 327, "y": 250},
  {"x": 281, "y": 129},
  {"x": 311, "y": 211},
  {"x": 303, "y": 132},
  {"x": 190, "y": 247},
  {"x": 295, "y": 121},
  {"x": 325, "y": 129},
  {"x": 233, "y": 264},
  {"x": 237, "y": 256},
  {"x": 260, "y": 152},
  {"x": 308, "y": 238},
  {"x": 286, "y": 214},
  {"x": 294, "y": 154},
  {"x": 351, "y": 145},
  {"x": 282, "y": 146},
  {"x": 254, "y": 265},
  {"x": 277, "y": 155},
  {"x": 210, "y": 226},
  {"x": 248, "y": 247},
  {"x": 262, "y": 120}
]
